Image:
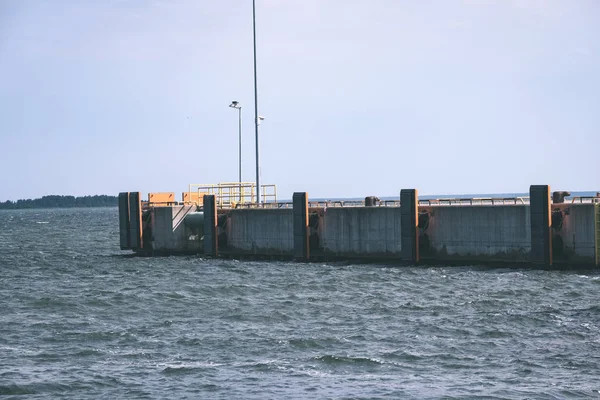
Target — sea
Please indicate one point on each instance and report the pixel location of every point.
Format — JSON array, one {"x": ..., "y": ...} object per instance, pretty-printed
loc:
[{"x": 81, "y": 319}]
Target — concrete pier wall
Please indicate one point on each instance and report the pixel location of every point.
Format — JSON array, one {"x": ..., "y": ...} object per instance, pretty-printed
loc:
[
  {"x": 261, "y": 231},
  {"x": 486, "y": 233},
  {"x": 169, "y": 232},
  {"x": 578, "y": 232},
  {"x": 362, "y": 232},
  {"x": 439, "y": 232}
]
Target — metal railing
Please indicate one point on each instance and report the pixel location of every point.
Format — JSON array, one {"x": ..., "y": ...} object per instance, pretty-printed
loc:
[
  {"x": 396, "y": 203},
  {"x": 585, "y": 199},
  {"x": 232, "y": 194},
  {"x": 269, "y": 205},
  {"x": 479, "y": 201},
  {"x": 243, "y": 195},
  {"x": 320, "y": 204}
]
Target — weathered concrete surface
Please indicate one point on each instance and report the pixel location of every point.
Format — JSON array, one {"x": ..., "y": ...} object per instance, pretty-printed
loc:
[
  {"x": 169, "y": 231},
  {"x": 452, "y": 233},
  {"x": 409, "y": 226},
  {"x": 541, "y": 219},
  {"x": 370, "y": 232},
  {"x": 577, "y": 233},
  {"x": 301, "y": 231},
  {"x": 261, "y": 231},
  {"x": 480, "y": 233}
]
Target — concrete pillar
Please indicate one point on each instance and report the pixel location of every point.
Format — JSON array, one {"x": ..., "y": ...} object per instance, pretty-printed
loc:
[
  {"x": 135, "y": 220},
  {"x": 597, "y": 232},
  {"x": 124, "y": 237},
  {"x": 301, "y": 247},
  {"x": 541, "y": 224},
  {"x": 409, "y": 221},
  {"x": 211, "y": 247}
]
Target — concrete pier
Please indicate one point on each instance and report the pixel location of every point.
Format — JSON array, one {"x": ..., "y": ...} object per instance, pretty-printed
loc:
[
  {"x": 574, "y": 235},
  {"x": 211, "y": 238},
  {"x": 485, "y": 232},
  {"x": 170, "y": 233},
  {"x": 260, "y": 231},
  {"x": 409, "y": 204},
  {"x": 534, "y": 230},
  {"x": 357, "y": 232},
  {"x": 541, "y": 235},
  {"x": 301, "y": 226}
]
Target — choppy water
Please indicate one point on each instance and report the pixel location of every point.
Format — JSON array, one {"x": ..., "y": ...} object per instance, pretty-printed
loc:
[{"x": 80, "y": 320}]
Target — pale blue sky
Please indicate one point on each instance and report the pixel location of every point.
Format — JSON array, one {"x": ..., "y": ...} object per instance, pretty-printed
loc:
[{"x": 361, "y": 97}]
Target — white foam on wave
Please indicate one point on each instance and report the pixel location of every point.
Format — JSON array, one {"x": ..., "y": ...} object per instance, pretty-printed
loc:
[{"x": 188, "y": 365}]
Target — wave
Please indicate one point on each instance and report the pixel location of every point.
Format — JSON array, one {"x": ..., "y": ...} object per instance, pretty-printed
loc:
[
  {"x": 347, "y": 360},
  {"x": 33, "y": 388},
  {"x": 186, "y": 367}
]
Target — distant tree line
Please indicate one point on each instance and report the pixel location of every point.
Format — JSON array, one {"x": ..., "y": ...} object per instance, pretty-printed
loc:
[{"x": 55, "y": 201}]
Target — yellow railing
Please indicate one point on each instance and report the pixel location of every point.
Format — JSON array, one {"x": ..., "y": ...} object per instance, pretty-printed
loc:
[{"x": 231, "y": 194}]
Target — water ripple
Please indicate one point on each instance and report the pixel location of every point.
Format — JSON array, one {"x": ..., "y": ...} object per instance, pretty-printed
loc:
[{"x": 81, "y": 320}]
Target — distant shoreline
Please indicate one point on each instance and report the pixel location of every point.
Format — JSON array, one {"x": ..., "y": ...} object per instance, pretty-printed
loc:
[{"x": 56, "y": 201}]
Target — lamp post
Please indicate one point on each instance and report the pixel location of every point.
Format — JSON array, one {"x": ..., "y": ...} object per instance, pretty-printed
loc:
[
  {"x": 260, "y": 118},
  {"x": 236, "y": 105},
  {"x": 255, "y": 105}
]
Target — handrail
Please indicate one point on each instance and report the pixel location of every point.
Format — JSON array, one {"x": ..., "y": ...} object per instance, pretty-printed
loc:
[
  {"x": 243, "y": 194},
  {"x": 230, "y": 194},
  {"x": 474, "y": 201},
  {"x": 586, "y": 199},
  {"x": 269, "y": 205}
]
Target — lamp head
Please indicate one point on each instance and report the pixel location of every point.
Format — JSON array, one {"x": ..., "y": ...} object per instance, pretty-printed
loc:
[{"x": 234, "y": 104}]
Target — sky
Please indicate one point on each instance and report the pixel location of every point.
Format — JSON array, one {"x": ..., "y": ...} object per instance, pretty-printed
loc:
[{"x": 360, "y": 97}]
